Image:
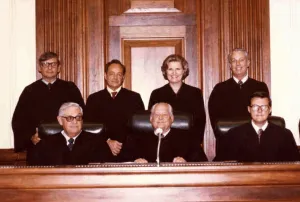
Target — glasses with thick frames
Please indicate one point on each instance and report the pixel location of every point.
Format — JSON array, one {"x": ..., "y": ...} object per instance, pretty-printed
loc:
[
  {"x": 50, "y": 64},
  {"x": 261, "y": 107},
  {"x": 71, "y": 118}
]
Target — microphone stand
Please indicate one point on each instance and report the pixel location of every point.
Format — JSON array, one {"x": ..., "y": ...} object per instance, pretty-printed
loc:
[{"x": 158, "y": 148}]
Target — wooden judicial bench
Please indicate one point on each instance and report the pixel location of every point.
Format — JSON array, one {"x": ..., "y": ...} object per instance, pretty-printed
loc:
[{"x": 147, "y": 182}]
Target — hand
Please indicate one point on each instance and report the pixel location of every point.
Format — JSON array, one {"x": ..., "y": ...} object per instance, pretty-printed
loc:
[
  {"x": 179, "y": 160},
  {"x": 140, "y": 160},
  {"x": 35, "y": 138},
  {"x": 115, "y": 146}
]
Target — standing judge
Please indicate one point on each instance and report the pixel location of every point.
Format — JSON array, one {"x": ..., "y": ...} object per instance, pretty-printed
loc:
[
  {"x": 72, "y": 145},
  {"x": 229, "y": 99},
  {"x": 176, "y": 144},
  {"x": 40, "y": 102},
  {"x": 113, "y": 106},
  {"x": 180, "y": 96},
  {"x": 259, "y": 140}
]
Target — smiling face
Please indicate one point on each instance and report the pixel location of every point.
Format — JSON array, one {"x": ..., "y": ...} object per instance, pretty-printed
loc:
[
  {"x": 259, "y": 109},
  {"x": 175, "y": 72},
  {"x": 49, "y": 69},
  {"x": 71, "y": 127},
  {"x": 239, "y": 64},
  {"x": 114, "y": 76},
  {"x": 161, "y": 117}
]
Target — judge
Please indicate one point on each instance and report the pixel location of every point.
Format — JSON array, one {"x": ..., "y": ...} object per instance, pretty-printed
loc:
[
  {"x": 40, "y": 101},
  {"x": 258, "y": 140},
  {"x": 182, "y": 97},
  {"x": 113, "y": 106},
  {"x": 176, "y": 144},
  {"x": 229, "y": 99}
]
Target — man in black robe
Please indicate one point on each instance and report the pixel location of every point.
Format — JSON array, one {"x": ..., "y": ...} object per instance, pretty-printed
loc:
[
  {"x": 40, "y": 101},
  {"x": 72, "y": 145},
  {"x": 176, "y": 145},
  {"x": 258, "y": 140},
  {"x": 113, "y": 106},
  {"x": 229, "y": 99}
]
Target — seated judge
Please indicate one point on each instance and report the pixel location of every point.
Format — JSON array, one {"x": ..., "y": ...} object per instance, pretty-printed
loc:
[
  {"x": 72, "y": 145},
  {"x": 258, "y": 140},
  {"x": 175, "y": 143},
  {"x": 181, "y": 96},
  {"x": 113, "y": 106}
]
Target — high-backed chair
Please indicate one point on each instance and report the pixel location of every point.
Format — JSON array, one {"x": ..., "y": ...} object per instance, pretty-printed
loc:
[
  {"x": 140, "y": 121},
  {"x": 53, "y": 128},
  {"x": 224, "y": 125}
]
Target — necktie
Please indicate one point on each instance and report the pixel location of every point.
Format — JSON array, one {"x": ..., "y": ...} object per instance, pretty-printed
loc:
[
  {"x": 113, "y": 94},
  {"x": 240, "y": 83},
  {"x": 259, "y": 133},
  {"x": 49, "y": 86},
  {"x": 71, "y": 144}
]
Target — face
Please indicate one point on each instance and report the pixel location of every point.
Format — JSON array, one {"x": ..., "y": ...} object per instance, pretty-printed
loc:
[
  {"x": 71, "y": 127},
  {"x": 259, "y": 110},
  {"x": 239, "y": 64},
  {"x": 49, "y": 69},
  {"x": 161, "y": 118},
  {"x": 114, "y": 76},
  {"x": 175, "y": 72}
]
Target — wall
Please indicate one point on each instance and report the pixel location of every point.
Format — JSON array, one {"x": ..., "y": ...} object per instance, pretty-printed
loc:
[{"x": 17, "y": 56}]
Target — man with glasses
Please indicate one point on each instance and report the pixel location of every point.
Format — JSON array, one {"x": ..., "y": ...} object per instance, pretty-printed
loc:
[
  {"x": 229, "y": 99},
  {"x": 259, "y": 140},
  {"x": 72, "y": 145},
  {"x": 40, "y": 101}
]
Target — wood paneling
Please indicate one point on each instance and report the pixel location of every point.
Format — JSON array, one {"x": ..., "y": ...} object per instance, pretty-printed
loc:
[{"x": 170, "y": 182}]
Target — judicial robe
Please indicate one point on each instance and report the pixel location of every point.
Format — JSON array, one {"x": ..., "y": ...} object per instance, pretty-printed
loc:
[
  {"x": 188, "y": 99},
  {"x": 175, "y": 144},
  {"x": 229, "y": 101},
  {"x": 88, "y": 148},
  {"x": 242, "y": 144},
  {"x": 38, "y": 104}
]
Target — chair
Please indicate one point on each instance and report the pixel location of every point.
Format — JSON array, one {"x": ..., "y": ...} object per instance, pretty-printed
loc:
[
  {"x": 224, "y": 125},
  {"x": 52, "y": 128},
  {"x": 140, "y": 121}
]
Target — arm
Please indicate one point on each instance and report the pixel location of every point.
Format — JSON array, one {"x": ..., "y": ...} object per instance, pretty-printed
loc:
[
  {"x": 75, "y": 95},
  {"x": 214, "y": 109},
  {"x": 200, "y": 119},
  {"x": 289, "y": 150}
]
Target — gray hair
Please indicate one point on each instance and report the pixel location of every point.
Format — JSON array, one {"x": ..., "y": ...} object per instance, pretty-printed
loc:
[
  {"x": 170, "y": 109},
  {"x": 238, "y": 50},
  {"x": 66, "y": 105}
]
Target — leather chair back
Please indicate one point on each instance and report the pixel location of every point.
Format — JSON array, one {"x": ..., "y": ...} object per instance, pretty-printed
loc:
[
  {"x": 224, "y": 125},
  {"x": 140, "y": 121},
  {"x": 52, "y": 128}
]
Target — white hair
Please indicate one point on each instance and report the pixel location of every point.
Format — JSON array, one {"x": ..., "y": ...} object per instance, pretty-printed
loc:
[
  {"x": 66, "y": 105},
  {"x": 170, "y": 109}
]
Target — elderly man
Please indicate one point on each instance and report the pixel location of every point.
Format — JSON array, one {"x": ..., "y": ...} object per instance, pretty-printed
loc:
[
  {"x": 176, "y": 145},
  {"x": 113, "y": 106},
  {"x": 258, "y": 140},
  {"x": 40, "y": 102},
  {"x": 72, "y": 145},
  {"x": 229, "y": 99}
]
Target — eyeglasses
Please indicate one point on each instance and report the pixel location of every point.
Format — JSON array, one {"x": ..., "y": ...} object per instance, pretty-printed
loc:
[
  {"x": 163, "y": 116},
  {"x": 71, "y": 118},
  {"x": 50, "y": 64},
  {"x": 261, "y": 107},
  {"x": 234, "y": 61}
]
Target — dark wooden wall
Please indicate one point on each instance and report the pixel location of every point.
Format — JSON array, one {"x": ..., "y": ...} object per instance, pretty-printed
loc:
[{"x": 80, "y": 32}]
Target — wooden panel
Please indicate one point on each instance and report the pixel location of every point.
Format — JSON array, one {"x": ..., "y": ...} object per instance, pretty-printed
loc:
[
  {"x": 133, "y": 182},
  {"x": 9, "y": 157}
]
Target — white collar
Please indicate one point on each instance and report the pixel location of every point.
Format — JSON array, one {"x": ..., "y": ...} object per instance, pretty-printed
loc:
[
  {"x": 46, "y": 82},
  {"x": 166, "y": 133},
  {"x": 256, "y": 128},
  {"x": 243, "y": 80},
  {"x": 67, "y": 137},
  {"x": 111, "y": 90}
]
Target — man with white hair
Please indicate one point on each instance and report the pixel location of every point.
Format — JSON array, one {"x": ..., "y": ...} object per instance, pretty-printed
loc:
[{"x": 72, "y": 145}]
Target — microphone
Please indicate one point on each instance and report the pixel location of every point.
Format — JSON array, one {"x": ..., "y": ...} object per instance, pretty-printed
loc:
[{"x": 158, "y": 132}]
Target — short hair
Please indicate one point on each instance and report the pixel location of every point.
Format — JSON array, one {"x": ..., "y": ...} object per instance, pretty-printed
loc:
[
  {"x": 48, "y": 55},
  {"x": 170, "y": 109},
  {"x": 67, "y": 105},
  {"x": 115, "y": 61},
  {"x": 175, "y": 58},
  {"x": 260, "y": 94},
  {"x": 238, "y": 50}
]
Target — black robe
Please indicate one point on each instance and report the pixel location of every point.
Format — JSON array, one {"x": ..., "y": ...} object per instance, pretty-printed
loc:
[
  {"x": 38, "y": 104},
  {"x": 175, "y": 144},
  {"x": 228, "y": 100},
  {"x": 242, "y": 144},
  {"x": 88, "y": 148},
  {"x": 114, "y": 113},
  {"x": 188, "y": 99}
]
